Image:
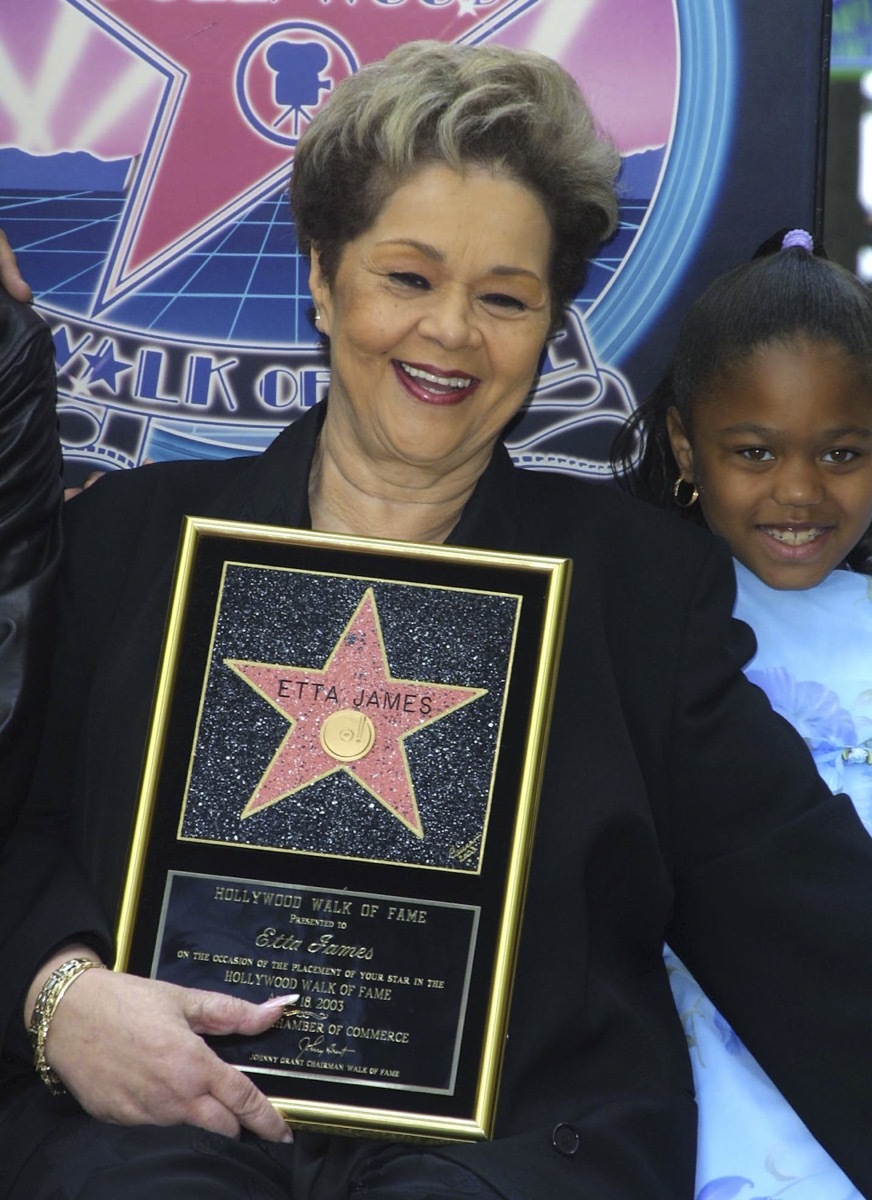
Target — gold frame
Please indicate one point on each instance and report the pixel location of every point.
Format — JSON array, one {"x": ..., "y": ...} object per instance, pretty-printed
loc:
[{"x": 250, "y": 543}]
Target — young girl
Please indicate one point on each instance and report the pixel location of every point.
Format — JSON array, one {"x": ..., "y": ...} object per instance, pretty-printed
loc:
[{"x": 763, "y": 432}]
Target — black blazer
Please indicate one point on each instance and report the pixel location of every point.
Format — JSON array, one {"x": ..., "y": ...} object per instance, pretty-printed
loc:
[
  {"x": 30, "y": 538},
  {"x": 675, "y": 804}
]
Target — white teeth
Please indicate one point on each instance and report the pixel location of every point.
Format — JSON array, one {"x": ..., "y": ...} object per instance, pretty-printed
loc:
[
  {"x": 794, "y": 537},
  {"x": 452, "y": 381}
]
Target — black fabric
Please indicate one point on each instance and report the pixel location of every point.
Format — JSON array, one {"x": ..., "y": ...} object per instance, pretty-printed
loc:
[
  {"x": 30, "y": 528},
  {"x": 76, "y": 1158},
  {"x": 72, "y": 1157},
  {"x": 402, "y": 1174},
  {"x": 674, "y": 803}
]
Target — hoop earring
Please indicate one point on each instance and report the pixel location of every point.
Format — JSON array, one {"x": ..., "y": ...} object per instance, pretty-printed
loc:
[{"x": 694, "y": 494}]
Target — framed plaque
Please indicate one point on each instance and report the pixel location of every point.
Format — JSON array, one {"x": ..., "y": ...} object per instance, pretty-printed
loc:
[{"x": 338, "y": 800}]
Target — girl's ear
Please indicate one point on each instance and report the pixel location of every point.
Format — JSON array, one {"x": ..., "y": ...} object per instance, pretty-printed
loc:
[
  {"x": 680, "y": 442},
  {"x": 321, "y": 294}
]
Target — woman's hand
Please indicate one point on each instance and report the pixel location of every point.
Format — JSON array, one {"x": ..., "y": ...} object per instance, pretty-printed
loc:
[{"x": 130, "y": 1051}]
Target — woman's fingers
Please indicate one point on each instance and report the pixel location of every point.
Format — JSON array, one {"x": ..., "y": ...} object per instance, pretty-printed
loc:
[
  {"x": 216, "y": 1014},
  {"x": 247, "y": 1104},
  {"x": 129, "y": 1049},
  {"x": 208, "y": 1113}
]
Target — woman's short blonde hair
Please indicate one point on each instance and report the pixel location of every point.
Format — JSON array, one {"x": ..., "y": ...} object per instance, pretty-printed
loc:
[{"x": 515, "y": 112}]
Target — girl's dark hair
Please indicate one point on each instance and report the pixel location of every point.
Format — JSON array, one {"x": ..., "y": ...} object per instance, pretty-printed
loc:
[{"x": 777, "y": 296}]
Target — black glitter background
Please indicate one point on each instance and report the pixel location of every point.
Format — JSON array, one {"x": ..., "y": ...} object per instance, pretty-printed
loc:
[{"x": 440, "y": 635}]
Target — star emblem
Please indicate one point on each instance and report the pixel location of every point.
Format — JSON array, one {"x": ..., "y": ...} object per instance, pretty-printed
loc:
[
  {"x": 237, "y": 87},
  {"x": 104, "y": 366},
  {"x": 350, "y": 715}
]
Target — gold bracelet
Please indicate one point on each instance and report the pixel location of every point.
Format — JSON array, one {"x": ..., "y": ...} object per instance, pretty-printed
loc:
[{"x": 50, "y": 995}]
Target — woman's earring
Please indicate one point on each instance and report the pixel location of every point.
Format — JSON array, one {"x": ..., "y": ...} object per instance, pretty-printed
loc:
[
  {"x": 317, "y": 315},
  {"x": 688, "y": 501}
]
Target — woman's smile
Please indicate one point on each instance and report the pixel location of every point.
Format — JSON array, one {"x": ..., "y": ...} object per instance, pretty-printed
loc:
[
  {"x": 437, "y": 317},
  {"x": 432, "y": 386}
]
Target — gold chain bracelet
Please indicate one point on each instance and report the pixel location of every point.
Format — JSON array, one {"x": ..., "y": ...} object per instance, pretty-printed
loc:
[{"x": 50, "y": 995}]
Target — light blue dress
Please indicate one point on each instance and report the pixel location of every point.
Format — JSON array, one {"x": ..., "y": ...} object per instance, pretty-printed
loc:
[{"x": 814, "y": 661}]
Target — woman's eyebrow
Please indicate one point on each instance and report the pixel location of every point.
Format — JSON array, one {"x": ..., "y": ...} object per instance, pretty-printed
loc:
[
  {"x": 437, "y": 256},
  {"x": 423, "y": 247}
]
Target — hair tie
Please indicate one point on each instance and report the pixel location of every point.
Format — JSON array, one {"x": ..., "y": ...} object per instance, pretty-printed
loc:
[{"x": 798, "y": 238}]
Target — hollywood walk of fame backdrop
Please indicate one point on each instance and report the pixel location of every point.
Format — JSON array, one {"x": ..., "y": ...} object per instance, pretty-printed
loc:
[{"x": 144, "y": 155}]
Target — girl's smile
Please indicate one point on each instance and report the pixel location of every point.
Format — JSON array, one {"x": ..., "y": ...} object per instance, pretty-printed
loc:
[{"x": 780, "y": 447}]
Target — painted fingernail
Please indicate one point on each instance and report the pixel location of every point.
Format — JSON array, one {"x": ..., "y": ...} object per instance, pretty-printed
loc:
[{"x": 282, "y": 1001}]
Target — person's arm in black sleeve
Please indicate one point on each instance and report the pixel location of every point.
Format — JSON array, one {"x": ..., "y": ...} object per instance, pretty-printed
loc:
[{"x": 30, "y": 539}]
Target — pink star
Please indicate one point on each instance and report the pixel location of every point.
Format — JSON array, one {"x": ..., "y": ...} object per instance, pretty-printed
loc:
[
  {"x": 222, "y": 137},
  {"x": 349, "y": 715}
]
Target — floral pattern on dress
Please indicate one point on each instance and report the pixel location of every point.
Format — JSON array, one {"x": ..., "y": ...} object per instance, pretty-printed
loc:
[{"x": 813, "y": 709}]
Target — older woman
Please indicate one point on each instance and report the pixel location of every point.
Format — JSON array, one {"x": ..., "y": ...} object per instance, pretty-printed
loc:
[{"x": 449, "y": 198}]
